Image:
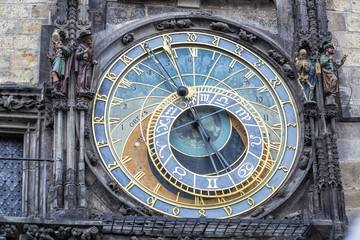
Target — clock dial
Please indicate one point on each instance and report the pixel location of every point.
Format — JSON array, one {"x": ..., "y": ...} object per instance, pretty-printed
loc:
[{"x": 193, "y": 124}]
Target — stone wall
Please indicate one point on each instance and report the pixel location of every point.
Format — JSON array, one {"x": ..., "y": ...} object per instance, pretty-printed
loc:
[
  {"x": 20, "y": 26},
  {"x": 260, "y": 14},
  {"x": 344, "y": 23}
]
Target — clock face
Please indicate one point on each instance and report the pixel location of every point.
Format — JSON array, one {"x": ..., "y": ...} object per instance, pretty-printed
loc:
[{"x": 193, "y": 124}]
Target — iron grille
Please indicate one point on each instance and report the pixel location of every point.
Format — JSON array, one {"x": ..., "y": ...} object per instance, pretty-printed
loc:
[
  {"x": 10, "y": 176},
  {"x": 205, "y": 227}
]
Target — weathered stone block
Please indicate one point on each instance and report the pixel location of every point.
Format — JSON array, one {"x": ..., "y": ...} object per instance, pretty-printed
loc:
[
  {"x": 338, "y": 5},
  {"x": 189, "y": 3},
  {"x": 267, "y": 23},
  {"x": 337, "y": 21},
  {"x": 353, "y": 22},
  {"x": 352, "y": 214},
  {"x": 19, "y": 11},
  {"x": 118, "y": 13},
  {"x": 352, "y": 60},
  {"x": 24, "y": 76},
  {"x": 26, "y": 42},
  {"x": 8, "y": 27},
  {"x": 30, "y": 26},
  {"x": 40, "y": 11},
  {"x": 350, "y": 174},
  {"x": 6, "y": 76},
  {"x": 6, "y": 41},
  {"x": 218, "y": 4},
  {"x": 25, "y": 59},
  {"x": 352, "y": 198},
  {"x": 349, "y": 148},
  {"x": 355, "y": 6},
  {"x": 4, "y": 10},
  {"x": 4, "y": 59},
  {"x": 239, "y": 4},
  {"x": 352, "y": 40}
]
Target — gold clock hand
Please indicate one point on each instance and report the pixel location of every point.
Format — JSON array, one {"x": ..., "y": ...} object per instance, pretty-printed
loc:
[
  {"x": 157, "y": 63},
  {"x": 166, "y": 46}
]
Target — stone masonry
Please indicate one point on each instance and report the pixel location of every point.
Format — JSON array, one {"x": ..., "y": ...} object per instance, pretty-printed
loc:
[
  {"x": 344, "y": 23},
  {"x": 20, "y": 25}
]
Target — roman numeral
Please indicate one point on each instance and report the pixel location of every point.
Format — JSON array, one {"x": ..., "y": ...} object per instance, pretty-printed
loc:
[
  {"x": 249, "y": 75},
  {"x": 137, "y": 70},
  {"x": 275, "y": 146},
  {"x": 125, "y": 83},
  {"x": 113, "y": 166},
  {"x": 193, "y": 52},
  {"x": 125, "y": 59},
  {"x": 116, "y": 101},
  {"x": 199, "y": 200},
  {"x": 232, "y": 64},
  {"x": 137, "y": 177}
]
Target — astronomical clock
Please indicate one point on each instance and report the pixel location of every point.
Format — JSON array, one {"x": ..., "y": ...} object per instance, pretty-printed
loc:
[{"x": 194, "y": 124}]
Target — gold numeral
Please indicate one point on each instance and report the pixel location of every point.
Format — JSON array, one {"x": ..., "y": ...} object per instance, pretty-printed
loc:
[
  {"x": 101, "y": 97},
  {"x": 249, "y": 75},
  {"x": 116, "y": 101},
  {"x": 232, "y": 64},
  {"x": 202, "y": 213},
  {"x": 276, "y": 126},
  {"x": 259, "y": 63},
  {"x": 102, "y": 144},
  {"x": 283, "y": 103},
  {"x": 199, "y": 200},
  {"x": 271, "y": 187},
  {"x": 250, "y": 201},
  {"x": 193, "y": 52},
  {"x": 291, "y": 147},
  {"x": 293, "y": 125},
  {"x": 113, "y": 166},
  {"x": 221, "y": 200},
  {"x": 191, "y": 37},
  {"x": 284, "y": 168},
  {"x": 275, "y": 82},
  {"x": 239, "y": 49},
  {"x": 151, "y": 200},
  {"x": 216, "y": 41},
  {"x": 176, "y": 211},
  {"x": 228, "y": 210},
  {"x": 125, "y": 59},
  {"x": 111, "y": 76},
  {"x": 167, "y": 38},
  {"x": 137, "y": 70},
  {"x": 262, "y": 89},
  {"x": 98, "y": 120},
  {"x": 177, "y": 197},
  {"x": 125, "y": 83},
  {"x": 116, "y": 140},
  {"x": 114, "y": 120},
  {"x": 275, "y": 146},
  {"x": 137, "y": 177},
  {"x": 125, "y": 159}
]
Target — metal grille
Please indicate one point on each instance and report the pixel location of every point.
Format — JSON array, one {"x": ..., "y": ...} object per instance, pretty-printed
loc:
[
  {"x": 206, "y": 227},
  {"x": 10, "y": 176}
]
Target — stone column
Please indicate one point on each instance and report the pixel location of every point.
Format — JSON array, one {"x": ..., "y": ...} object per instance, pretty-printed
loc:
[{"x": 59, "y": 104}]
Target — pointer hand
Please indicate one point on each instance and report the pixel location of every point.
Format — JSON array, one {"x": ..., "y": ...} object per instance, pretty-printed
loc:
[{"x": 169, "y": 52}]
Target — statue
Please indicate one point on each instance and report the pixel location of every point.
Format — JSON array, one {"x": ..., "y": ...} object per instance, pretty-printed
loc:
[
  {"x": 329, "y": 73},
  {"x": 84, "y": 65},
  {"x": 306, "y": 75},
  {"x": 60, "y": 66}
]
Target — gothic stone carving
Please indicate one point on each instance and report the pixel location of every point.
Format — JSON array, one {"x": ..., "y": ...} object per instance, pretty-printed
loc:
[
  {"x": 14, "y": 102},
  {"x": 181, "y": 23},
  {"x": 127, "y": 38},
  {"x": 8, "y": 232},
  {"x": 246, "y": 36},
  {"x": 222, "y": 27}
]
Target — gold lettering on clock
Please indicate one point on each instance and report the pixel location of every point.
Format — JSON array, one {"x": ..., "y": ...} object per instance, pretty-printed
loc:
[
  {"x": 125, "y": 59},
  {"x": 284, "y": 168},
  {"x": 116, "y": 101},
  {"x": 199, "y": 200},
  {"x": 102, "y": 144},
  {"x": 113, "y": 166},
  {"x": 151, "y": 200},
  {"x": 137, "y": 177},
  {"x": 125, "y": 159},
  {"x": 191, "y": 37},
  {"x": 228, "y": 210},
  {"x": 176, "y": 211},
  {"x": 202, "y": 213},
  {"x": 259, "y": 63},
  {"x": 101, "y": 97},
  {"x": 193, "y": 52},
  {"x": 232, "y": 64},
  {"x": 271, "y": 187},
  {"x": 216, "y": 41},
  {"x": 124, "y": 83},
  {"x": 250, "y": 201},
  {"x": 275, "y": 82},
  {"x": 239, "y": 49},
  {"x": 98, "y": 120},
  {"x": 292, "y": 124},
  {"x": 249, "y": 75},
  {"x": 110, "y": 76},
  {"x": 137, "y": 70}
]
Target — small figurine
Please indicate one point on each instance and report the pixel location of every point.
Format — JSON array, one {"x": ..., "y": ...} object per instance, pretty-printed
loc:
[
  {"x": 60, "y": 69},
  {"x": 329, "y": 73},
  {"x": 306, "y": 75},
  {"x": 84, "y": 65}
]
